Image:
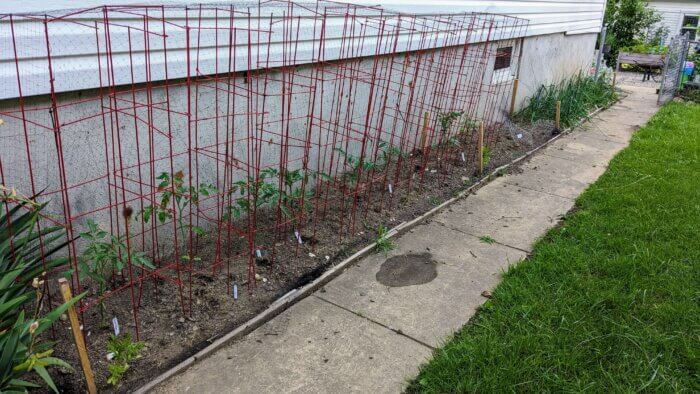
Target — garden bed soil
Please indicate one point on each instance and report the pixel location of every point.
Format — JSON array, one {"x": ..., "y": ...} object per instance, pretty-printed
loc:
[{"x": 171, "y": 337}]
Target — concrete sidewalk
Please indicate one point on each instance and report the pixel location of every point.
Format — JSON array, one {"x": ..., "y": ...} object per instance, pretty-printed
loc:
[{"x": 359, "y": 335}]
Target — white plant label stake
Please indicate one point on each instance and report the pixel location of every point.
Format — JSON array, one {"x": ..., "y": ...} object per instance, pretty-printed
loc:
[
  {"x": 391, "y": 189},
  {"x": 258, "y": 253},
  {"x": 296, "y": 234},
  {"x": 463, "y": 158},
  {"x": 235, "y": 291},
  {"x": 115, "y": 324}
]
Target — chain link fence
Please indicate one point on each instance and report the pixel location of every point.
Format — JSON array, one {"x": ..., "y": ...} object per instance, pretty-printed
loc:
[{"x": 673, "y": 67}]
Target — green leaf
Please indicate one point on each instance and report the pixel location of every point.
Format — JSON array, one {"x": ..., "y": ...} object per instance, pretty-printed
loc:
[
  {"x": 56, "y": 362},
  {"x": 21, "y": 383},
  {"x": 46, "y": 321},
  {"x": 285, "y": 211},
  {"x": 199, "y": 231},
  {"x": 8, "y": 305},
  {"x": 44, "y": 374}
]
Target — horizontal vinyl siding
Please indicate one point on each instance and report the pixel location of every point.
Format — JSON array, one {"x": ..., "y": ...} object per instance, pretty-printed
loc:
[
  {"x": 672, "y": 13},
  {"x": 75, "y": 65}
]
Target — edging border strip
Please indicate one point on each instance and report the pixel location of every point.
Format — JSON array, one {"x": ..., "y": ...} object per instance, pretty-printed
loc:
[{"x": 296, "y": 295}]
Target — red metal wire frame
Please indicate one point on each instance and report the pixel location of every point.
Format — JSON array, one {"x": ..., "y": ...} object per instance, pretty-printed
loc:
[{"x": 282, "y": 87}]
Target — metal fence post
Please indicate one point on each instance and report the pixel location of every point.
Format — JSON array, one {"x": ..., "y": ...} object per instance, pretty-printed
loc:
[{"x": 599, "y": 58}]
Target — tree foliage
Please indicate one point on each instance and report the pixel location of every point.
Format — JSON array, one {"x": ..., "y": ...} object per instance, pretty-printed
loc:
[{"x": 628, "y": 23}]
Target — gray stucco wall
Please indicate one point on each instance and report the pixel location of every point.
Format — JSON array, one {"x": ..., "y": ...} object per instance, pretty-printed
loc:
[
  {"x": 339, "y": 109},
  {"x": 250, "y": 114},
  {"x": 551, "y": 58}
]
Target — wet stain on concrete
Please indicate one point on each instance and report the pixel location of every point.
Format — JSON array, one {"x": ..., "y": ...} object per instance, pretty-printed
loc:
[{"x": 407, "y": 270}]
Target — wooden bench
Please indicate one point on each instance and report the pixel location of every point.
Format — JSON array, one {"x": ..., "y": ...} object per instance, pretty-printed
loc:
[{"x": 647, "y": 61}]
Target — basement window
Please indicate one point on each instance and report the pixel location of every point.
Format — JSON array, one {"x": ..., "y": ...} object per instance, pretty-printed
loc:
[
  {"x": 504, "y": 56},
  {"x": 503, "y": 67},
  {"x": 691, "y": 24}
]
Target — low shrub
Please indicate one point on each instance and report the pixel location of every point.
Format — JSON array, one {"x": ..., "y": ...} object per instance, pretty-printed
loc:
[
  {"x": 691, "y": 95},
  {"x": 646, "y": 48}
]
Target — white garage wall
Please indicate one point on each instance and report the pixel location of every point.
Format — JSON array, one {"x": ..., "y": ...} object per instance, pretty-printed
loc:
[{"x": 73, "y": 46}]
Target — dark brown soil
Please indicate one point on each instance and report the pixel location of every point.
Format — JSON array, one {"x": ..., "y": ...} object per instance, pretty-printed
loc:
[{"x": 171, "y": 338}]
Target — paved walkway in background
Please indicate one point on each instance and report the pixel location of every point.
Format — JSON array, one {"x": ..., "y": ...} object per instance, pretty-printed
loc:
[
  {"x": 634, "y": 78},
  {"x": 357, "y": 335}
]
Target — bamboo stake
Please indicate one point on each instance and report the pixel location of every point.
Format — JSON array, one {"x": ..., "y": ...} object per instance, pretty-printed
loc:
[
  {"x": 557, "y": 117},
  {"x": 512, "y": 97},
  {"x": 480, "y": 147},
  {"x": 614, "y": 79},
  {"x": 424, "y": 132},
  {"x": 78, "y": 336}
]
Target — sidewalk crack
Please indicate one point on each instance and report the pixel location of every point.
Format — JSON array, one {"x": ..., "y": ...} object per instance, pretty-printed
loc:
[
  {"x": 538, "y": 191},
  {"x": 571, "y": 159},
  {"x": 476, "y": 236},
  {"x": 396, "y": 331}
]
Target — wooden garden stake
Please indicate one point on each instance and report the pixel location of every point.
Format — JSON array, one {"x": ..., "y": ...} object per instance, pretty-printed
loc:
[
  {"x": 614, "y": 79},
  {"x": 78, "y": 336},
  {"x": 480, "y": 147},
  {"x": 424, "y": 132},
  {"x": 557, "y": 116},
  {"x": 512, "y": 97}
]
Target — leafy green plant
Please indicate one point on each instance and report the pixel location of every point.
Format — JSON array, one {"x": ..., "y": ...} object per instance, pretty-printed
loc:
[
  {"x": 578, "y": 95},
  {"x": 265, "y": 192},
  {"x": 356, "y": 164},
  {"x": 465, "y": 125},
  {"x": 104, "y": 255},
  {"x": 291, "y": 196},
  {"x": 383, "y": 243},
  {"x": 123, "y": 351},
  {"x": 172, "y": 186},
  {"x": 468, "y": 124},
  {"x": 252, "y": 193},
  {"x": 21, "y": 282},
  {"x": 447, "y": 118},
  {"x": 386, "y": 153}
]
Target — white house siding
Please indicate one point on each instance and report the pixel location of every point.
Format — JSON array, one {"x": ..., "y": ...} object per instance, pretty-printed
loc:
[
  {"x": 73, "y": 46},
  {"x": 672, "y": 13}
]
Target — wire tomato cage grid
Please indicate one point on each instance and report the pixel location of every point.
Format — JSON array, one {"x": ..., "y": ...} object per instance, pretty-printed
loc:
[{"x": 236, "y": 129}]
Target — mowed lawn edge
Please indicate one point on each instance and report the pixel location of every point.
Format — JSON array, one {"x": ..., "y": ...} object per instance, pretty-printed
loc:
[{"x": 610, "y": 299}]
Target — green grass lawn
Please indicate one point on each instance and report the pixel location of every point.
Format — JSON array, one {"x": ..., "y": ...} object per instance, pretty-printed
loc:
[{"x": 610, "y": 300}]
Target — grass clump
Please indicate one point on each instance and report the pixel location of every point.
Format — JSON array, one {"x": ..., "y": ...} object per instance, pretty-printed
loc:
[
  {"x": 579, "y": 95},
  {"x": 609, "y": 301},
  {"x": 383, "y": 243},
  {"x": 487, "y": 239}
]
